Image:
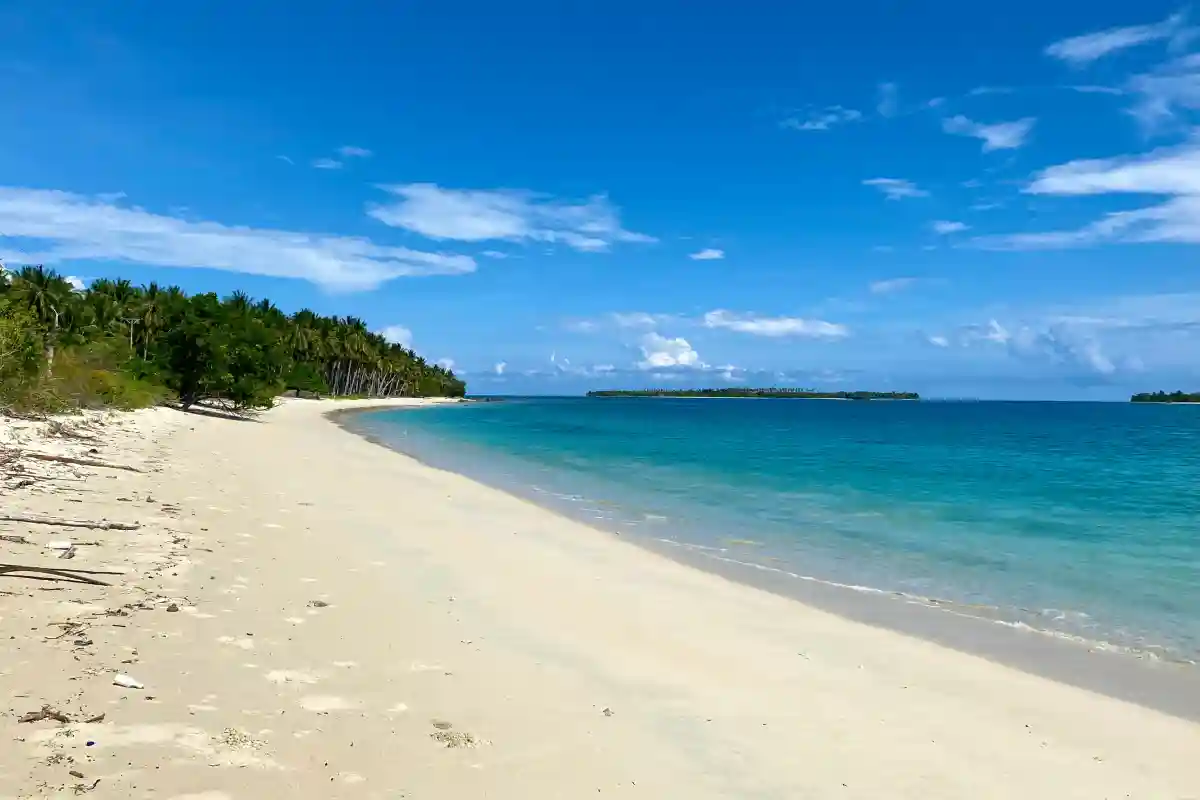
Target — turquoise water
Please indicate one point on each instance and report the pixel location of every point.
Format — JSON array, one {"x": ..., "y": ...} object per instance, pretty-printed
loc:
[{"x": 1077, "y": 519}]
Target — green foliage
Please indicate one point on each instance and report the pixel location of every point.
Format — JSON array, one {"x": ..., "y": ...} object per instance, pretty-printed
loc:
[
  {"x": 118, "y": 344},
  {"x": 1166, "y": 397},
  {"x": 802, "y": 394}
]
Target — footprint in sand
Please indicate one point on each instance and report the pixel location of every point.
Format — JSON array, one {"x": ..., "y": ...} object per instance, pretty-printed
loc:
[
  {"x": 291, "y": 676},
  {"x": 245, "y": 644},
  {"x": 323, "y": 704}
]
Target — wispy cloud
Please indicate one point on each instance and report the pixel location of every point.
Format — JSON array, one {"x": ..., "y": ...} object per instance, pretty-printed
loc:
[
  {"x": 350, "y": 151},
  {"x": 1062, "y": 344},
  {"x": 474, "y": 215},
  {"x": 285, "y": 160},
  {"x": 1173, "y": 172},
  {"x": 891, "y": 285},
  {"x": 1161, "y": 92},
  {"x": 997, "y": 136},
  {"x": 637, "y": 319},
  {"x": 775, "y": 326},
  {"x": 887, "y": 102},
  {"x": 1082, "y": 50},
  {"x": 40, "y": 226},
  {"x": 822, "y": 120},
  {"x": 896, "y": 188},
  {"x": 326, "y": 163},
  {"x": 708, "y": 254},
  {"x": 946, "y": 226},
  {"x": 397, "y": 334}
]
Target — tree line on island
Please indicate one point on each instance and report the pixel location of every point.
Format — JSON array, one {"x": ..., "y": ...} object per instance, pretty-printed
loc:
[
  {"x": 113, "y": 343},
  {"x": 808, "y": 394},
  {"x": 1166, "y": 397}
]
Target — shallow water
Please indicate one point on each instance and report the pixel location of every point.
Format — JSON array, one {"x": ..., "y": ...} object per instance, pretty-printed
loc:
[{"x": 1076, "y": 519}]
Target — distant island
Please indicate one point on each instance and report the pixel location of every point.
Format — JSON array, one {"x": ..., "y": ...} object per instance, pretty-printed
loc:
[
  {"x": 1166, "y": 397},
  {"x": 796, "y": 394}
]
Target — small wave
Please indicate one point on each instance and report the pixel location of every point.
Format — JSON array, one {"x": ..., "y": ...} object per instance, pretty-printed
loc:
[{"x": 977, "y": 611}]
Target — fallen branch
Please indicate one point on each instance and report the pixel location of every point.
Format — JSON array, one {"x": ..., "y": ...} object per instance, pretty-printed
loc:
[
  {"x": 69, "y": 523},
  {"x": 46, "y": 712},
  {"x": 83, "y": 462},
  {"x": 73, "y": 575},
  {"x": 15, "y": 539}
]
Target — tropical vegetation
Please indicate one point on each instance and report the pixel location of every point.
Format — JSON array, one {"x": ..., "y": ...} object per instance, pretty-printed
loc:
[
  {"x": 120, "y": 344},
  {"x": 802, "y": 394},
  {"x": 1166, "y": 397}
]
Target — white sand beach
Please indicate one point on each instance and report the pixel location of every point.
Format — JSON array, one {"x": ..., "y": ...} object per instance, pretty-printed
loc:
[{"x": 314, "y": 616}]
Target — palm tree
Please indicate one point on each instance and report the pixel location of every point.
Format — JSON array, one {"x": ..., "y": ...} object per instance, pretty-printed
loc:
[{"x": 47, "y": 294}]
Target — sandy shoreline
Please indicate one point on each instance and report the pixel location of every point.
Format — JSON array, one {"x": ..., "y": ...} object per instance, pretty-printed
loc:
[{"x": 344, "y": 613}]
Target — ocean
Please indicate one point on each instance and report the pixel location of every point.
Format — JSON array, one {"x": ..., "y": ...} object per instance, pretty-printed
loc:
[{"x": 1076, "y": 520}]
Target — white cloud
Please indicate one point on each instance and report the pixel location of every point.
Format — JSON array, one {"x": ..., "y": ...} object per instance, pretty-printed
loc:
[
  {"x": 891, "y": 285},
  {"x": 637, "y": 319},
  {"x": 939, "y": 341},
  {"x": 446, "y": 363},
  {"x": 774, "y": 326},
  {"x": 998, "y": 136},
  {"x": 946, "y": 227},
  {"x": 397, "y": 334},
  {"x": 1082, "y": 50},
  {"x": 500, "y": 367},
  {"x": 888, "y": 103},
  {"x": 472, "y": 215},
  {"x": 1063, "y": 344},
  {"x": 822, "y": 120},
  {"x": 658, "y": 352},
  {"x": 285, "y": 159},
  {"x": 496, "y": 254},
  {"x": 1172, "y": 86},
  {"x": 896, "y": 188},
  {"x": 350, "y": 151},
  {"x": 77, "y": 284},
  {"x": 1170, "y": 171},
  {"x": 708, "y": 254},
  {"x": 63, "y": 227},
  {"x": 326, "y": 163}
]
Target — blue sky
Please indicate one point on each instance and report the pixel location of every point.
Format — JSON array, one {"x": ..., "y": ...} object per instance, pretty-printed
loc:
[{"x": 959, "y": 199}]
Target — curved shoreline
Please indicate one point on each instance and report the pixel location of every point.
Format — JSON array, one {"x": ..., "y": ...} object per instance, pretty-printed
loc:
[{"x": 1140, "y": 677}]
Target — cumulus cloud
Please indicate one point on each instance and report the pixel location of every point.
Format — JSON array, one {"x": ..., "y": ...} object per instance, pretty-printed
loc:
[
  {"x": 946, "y": 227},
  {"x": 1063, "y": 344},
  {"x": 1173, "y": 172},
  {"x": 500, "y": 367},
  {"x": 896, "y": 188},
  {"x": 77, "y": 284},
  {"x": 823, "y": 119},
  {"x": 708, "y": 254},
  {"x": 397, "y": 334},
  {"x": 997, "y": 136},
  {"x": 446, "y": 363},
  {"x": 41, "y": 226},
  {"x": 775, "y": 326},
  {"x": 1084, "y": 49},
  {"x": 474, "y": 215},
  {"x": 659, "y": 352}
]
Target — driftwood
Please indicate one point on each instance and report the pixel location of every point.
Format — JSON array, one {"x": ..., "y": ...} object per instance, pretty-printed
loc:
[
  {"x": 69, "y": 523},
  {"x": 83, "y": 462},
  {"x": 62, "y": 574},
  {"x": 15, "y": 539},
  {"x": 46, "y": 712}
]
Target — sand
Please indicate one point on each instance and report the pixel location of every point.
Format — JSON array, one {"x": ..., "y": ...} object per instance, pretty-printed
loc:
[{"x": 350, "y": 623}]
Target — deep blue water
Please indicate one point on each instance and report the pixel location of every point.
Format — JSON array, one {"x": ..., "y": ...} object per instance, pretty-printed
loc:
[{"x": 1074, "y": 518}]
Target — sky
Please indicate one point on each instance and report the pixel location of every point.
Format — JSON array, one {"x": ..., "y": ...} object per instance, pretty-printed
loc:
[{"x": 960, "y": 199}]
